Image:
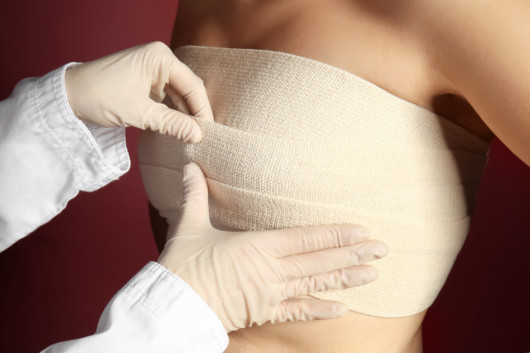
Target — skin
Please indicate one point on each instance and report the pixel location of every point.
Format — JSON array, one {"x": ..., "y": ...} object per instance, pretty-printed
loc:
[{"x": 464, "y": 60}]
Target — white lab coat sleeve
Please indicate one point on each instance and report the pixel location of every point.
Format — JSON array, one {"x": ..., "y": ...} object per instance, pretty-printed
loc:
[
  {"x": 47, "y": 155},
  {"x": 155, "y": 312}
]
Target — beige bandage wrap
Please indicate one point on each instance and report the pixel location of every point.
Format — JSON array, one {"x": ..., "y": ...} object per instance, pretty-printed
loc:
[{"x": 296, "y": 142}]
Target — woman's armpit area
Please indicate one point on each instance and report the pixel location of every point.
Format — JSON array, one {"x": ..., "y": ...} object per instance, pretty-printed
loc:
[{"x": 352, "y": 333}]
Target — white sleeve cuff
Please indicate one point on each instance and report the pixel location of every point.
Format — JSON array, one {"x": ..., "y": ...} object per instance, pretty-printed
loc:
[
  {"x": 47, "y": 155},
  {"x": 168, "y": 311},
  {"x": 155, "y": 312},
  {"x": 98, "y": 155}
]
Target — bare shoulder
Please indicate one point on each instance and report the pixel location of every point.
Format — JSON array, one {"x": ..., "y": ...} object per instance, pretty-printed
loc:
[
  {"x": 481, "y": 29},
  {"x": 481, "y": 48}
]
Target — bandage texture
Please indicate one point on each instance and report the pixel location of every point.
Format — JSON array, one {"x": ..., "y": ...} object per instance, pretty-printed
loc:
[{"x": 296, "y": 142}]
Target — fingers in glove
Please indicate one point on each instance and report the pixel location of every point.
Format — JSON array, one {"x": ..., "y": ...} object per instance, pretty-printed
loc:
[
  {"x": 169, "y": 121},
  {"x": 308, "y": 309},
  {"x": 292, "y": 241},
  {"x": 192, "y": 89},
  {"x": 338, "y": 279},
  {"x": 322, "y": 261}
]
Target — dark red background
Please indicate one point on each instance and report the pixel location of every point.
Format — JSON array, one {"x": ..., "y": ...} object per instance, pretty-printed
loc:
[{"x": 55, "y": 283}]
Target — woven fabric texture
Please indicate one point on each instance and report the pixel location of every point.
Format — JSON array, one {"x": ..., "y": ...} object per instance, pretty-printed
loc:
[{"x": 296, "y": 142}]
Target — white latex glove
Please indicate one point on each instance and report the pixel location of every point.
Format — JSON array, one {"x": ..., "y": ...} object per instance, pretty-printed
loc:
[
  {"x": 126, "y": 88},
  {"x": 252, "y": 277}
]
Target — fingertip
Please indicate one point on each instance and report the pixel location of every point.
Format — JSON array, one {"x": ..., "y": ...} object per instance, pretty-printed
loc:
[
  {"x": 189, "y": 132},
  {"x": 366, "y": 274},
  {"x": 186, "y": 172},
  {"x": 190, "y": 168},
  {"x": 372, "y": 274},
  {"x": 194, "y": 183},
  {"x": 206, "y": 115},
  {"x": 325, "y": 309},
  {"x": 381, "y": 250},
  {"x": 194, "y": 137},
  {"x": 339, "y": 309}
]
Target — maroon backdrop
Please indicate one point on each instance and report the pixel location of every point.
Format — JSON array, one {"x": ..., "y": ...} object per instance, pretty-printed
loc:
[{"x": 55, "y": 283}]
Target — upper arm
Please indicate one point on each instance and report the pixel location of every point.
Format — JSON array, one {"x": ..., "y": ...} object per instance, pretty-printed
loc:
[{"x": 482, "y": 48}]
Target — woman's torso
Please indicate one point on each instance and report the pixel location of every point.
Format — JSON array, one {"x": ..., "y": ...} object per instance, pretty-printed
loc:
[{"x": 379, "y": 41}]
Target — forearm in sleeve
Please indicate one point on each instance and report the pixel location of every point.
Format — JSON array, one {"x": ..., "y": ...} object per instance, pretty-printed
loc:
[
  {"x": 155, "y": 312},
  {"x": 47, "y": 155}
]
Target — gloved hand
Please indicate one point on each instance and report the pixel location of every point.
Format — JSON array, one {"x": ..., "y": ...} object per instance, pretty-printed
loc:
[
  {"x": 255, "y": 276},
  {"x": 126, "y": 88}
]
